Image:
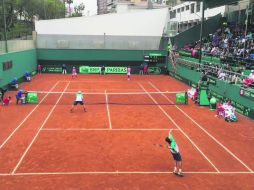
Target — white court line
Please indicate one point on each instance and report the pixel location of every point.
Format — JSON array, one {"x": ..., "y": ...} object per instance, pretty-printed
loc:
[
  {"x": 122, "y": 172},
  {"x": 110, "y": 89},
  {"x": 109, "y": 93},
  {"x": 93, "y": 81},
  {"x": 101, "y": 129},
  {"x": 212, "y": 137},
  {"x": 170, "y": 118},
  {"x": 24, "y": 120},
  {"x": 109, "y": 119},
  {"x": 49, "y": 114}
]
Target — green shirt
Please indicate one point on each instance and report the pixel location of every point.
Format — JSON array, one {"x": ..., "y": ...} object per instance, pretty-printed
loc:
[
  {"x": 173, "y": 142},
  {"x": 79, "y": 97}
]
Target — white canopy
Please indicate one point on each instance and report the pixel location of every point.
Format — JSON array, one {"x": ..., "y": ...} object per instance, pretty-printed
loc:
[{"x": 141, "y": 23}]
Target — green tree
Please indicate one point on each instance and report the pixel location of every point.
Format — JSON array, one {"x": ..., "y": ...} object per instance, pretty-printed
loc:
[
  {"x": 20, "y": 14},
  {"x": 10, "y": 13},
  {"x": 78, "y": 10},
  {"x": 44, "y": 9}
]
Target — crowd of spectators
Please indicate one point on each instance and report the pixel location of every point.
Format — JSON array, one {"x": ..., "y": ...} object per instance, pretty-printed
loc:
[{"x": 229, "y": 40}]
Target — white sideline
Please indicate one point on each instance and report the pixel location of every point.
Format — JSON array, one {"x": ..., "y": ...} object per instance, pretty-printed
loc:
[
  {"x": 109, "y": 119},
  {"x": 212, "y": 137},
  {"x": 13, "y": 132},
  {"x": 49, "y": 114},
  {"x": 170, "y": 118},
  {"x": 106, "y": 129}
]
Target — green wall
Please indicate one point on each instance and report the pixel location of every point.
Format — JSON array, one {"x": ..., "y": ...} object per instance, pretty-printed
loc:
[
  {"x": 188, "y": 74},
  {"x": 22, "y": 61},
  {"x": 94, "y": 55}
]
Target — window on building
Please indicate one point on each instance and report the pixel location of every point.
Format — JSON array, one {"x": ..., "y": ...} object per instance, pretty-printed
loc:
[
  {"x": 7, "y": 65},
  {"x": 192, "y": 8},
  {"x": 178, "y": 10},
  {"x": 172, "y": 14},
  {"x": 187, "y": 8},
  {"x": 182, "y": 9},
  {"x": 198, "y": 7}
]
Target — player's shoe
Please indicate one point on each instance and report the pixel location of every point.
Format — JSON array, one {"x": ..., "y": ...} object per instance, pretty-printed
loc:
[
  {"x": 84, "y": 110},
  {"x": 180, "y": 174},
  {"x": 71, "y": 110}
]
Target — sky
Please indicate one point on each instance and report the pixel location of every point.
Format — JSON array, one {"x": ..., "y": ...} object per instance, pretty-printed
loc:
[{"x": 90, "y": 6}]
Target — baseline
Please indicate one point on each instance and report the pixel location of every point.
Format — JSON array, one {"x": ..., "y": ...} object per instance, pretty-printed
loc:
[
  {"x": 100, "y": 129},
  {"x": 121, "y": 172}
]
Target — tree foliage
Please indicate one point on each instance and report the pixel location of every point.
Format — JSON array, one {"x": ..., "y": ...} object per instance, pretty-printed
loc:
[
  {"x": 78, "y": 10},
  {"x": 25, "y": 11}
]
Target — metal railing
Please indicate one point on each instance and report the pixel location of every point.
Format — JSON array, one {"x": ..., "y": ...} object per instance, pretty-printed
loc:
[{"x": 214, "y": 71}]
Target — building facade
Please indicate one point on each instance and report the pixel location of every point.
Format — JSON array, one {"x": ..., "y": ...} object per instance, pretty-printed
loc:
[
  {"x": 113, "y": 6},
  {"x": 188, "y": 14}
]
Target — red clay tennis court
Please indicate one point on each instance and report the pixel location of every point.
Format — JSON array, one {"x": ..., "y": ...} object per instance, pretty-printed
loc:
[{"x": 111, "y": 146}]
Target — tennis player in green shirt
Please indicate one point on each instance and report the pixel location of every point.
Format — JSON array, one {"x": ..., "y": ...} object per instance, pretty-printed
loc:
[
  {"x": 175, "y": 153},
  {"x": 79, "y": 99}
]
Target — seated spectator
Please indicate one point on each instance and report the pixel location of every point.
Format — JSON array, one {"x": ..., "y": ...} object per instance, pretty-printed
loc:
[
  {"x": 21, "y": 97},
  {"x": 233, "y": 79},
  {"x": 192, "y": 93},
  {"x": 229, "y": 112},
  {"x": 14, "y": 84},
  {"x": 251, "y": 56},
  {"x": 6, "y": 101},
  {"x": 221, "y": 75},
  {"x": 194, "y": 53},
  {"x": 2, "y": 92},
  {"x": 27, "y": 76},
  {"x": 249, "y": 80},
  {"x": 251, "y": 75},
  {"x": 249, "y": 36},
  {"x": 220, "y": 111}
]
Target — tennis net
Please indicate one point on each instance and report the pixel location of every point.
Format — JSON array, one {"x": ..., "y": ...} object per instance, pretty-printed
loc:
[{"x": 114, "y": 98}]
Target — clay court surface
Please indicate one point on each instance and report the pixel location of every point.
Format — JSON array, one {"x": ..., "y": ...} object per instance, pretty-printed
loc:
[{"x": 111, "y": 146}]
